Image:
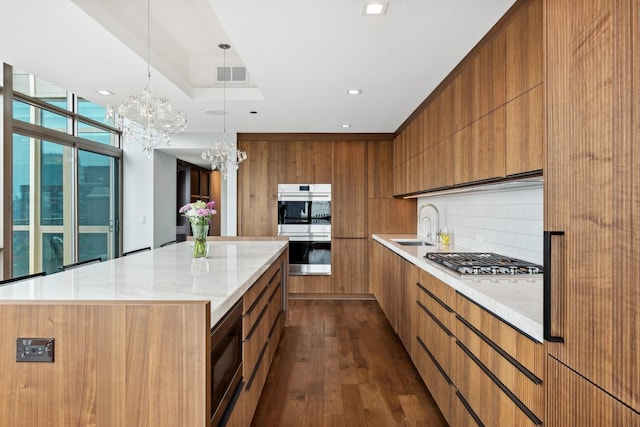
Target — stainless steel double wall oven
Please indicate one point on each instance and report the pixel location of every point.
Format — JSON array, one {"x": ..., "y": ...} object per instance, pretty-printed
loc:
[{"x": 304, "y": 216}]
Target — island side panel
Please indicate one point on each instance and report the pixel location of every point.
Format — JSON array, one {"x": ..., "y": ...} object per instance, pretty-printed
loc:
[{"x": 115, "y": 363}]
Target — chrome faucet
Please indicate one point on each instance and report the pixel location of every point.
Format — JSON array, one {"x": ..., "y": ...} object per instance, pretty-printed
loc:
[{"x": 429, "y": 235}]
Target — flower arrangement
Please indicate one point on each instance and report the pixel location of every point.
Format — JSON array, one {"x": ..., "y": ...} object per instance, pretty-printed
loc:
[
  {"x": 199, "y": 212},
  {"x": 199, "y": 215}
]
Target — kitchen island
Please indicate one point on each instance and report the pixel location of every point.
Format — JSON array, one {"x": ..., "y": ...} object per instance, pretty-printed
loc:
[{"x": 132, "y": 336}]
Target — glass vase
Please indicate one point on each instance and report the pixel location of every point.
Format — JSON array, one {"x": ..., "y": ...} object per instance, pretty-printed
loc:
[{"x": 200, "y": 245}]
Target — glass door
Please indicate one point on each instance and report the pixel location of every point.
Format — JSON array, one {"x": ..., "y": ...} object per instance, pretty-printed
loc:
[
  {"x": 98, "y": 221},
  {"x": 45, "y": 217}
]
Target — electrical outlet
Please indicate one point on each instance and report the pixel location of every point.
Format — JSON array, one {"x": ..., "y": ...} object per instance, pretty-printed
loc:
[{"x": 35, "y": 350}]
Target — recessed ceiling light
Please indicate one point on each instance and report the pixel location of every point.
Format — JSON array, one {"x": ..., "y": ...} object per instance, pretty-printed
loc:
[
  {"x": 104, "y": 92},
  {"x": 354, "y": 91},
  {"x": 374, "y": 8},
  {"x": 345, "y": 126}
]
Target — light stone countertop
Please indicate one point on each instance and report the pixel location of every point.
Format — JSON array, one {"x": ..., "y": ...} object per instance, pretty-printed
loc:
[
  {"x": 518, "y": 302},
  {"x": 164, "y": 274}
]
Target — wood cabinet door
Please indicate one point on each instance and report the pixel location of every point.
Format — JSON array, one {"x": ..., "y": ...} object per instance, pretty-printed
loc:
[
  {"x": 595, "y": 408},
  {"x": 525, "y": 132},
  {"x": 488, "y": 84},
  {"x": 349, "y": 190},
  {"x": 307, "y": 161},
  {"x": 349, "y": 266},
  {"x": 479, "y": 149},
  {"x": 258, "y": 179},
  {"x": 592, "y": 193},
  {"x": 524, "y": 49}
]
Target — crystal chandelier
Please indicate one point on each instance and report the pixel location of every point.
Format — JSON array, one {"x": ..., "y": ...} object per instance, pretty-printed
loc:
[
  {"x": 224, "y": 156},
  {"x": 150, "y": 119}
]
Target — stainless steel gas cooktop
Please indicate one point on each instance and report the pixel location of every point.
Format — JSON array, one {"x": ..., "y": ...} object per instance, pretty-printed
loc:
[{"x": 484, "y": 264}]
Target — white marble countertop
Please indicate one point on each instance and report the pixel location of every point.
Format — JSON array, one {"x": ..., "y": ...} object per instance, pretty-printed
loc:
[
  {"x": 517, "y": 301},
  {"x": 163, "y": 274}
]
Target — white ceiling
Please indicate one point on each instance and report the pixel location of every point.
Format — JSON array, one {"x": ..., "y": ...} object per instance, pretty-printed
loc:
[{"x": 302, "y": 55}]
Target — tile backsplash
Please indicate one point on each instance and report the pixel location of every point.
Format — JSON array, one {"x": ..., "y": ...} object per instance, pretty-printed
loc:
[{"x": 508, "y": 221}]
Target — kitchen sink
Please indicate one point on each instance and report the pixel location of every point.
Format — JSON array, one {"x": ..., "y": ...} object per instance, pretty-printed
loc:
[{"x": 412, "y": 242}]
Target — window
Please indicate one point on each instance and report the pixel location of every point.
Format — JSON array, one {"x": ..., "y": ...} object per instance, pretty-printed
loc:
[{"x": 65, "y": 171}]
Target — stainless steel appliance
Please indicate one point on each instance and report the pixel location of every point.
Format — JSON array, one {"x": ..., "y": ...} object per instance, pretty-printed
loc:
[
  {"x": 485, "y": 264},
  {"x": 304, "y": 216},
  {"x": 226, "y": 365}
]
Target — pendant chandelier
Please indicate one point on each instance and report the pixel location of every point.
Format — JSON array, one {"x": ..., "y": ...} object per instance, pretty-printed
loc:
[
  {"x": 147, "y": 118},
  {"x": 224, "y": 156}
]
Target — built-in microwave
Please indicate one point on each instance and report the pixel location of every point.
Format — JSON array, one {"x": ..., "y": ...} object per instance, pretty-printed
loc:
[{"x": 304, "y": 216}]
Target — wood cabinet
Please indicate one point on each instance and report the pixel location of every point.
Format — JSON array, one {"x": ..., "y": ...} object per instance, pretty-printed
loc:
[
  {"x": 439, "y": 165},
  {"x": 593, "y": 408},
  {"x": 488, "y": 81},
  {"x": 484, "y": 122},
  {"x": 525, "y": 132},
  {"x": 479, "y": 149},
  {"x": 497, "y": 363},
  {"x": 306, "y": 161},
  {"x": 387, "y": 281},
  {"x": 349, "y": 266},
  {"x": 258, "y": 180},
  {"x": 432, "y": 350},
  {"x": 478, "y": 368},
  {"x": 262, "y": 321},
  {"x": 592, "y": 197},
  {"x": 349, "y": 190},
  {"x": 524, "y": 49}
]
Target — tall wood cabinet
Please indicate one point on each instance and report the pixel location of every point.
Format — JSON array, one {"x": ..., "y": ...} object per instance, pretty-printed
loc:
[
  {"x": 592, "y": 203},
  {"x": 359, "y": 168}
]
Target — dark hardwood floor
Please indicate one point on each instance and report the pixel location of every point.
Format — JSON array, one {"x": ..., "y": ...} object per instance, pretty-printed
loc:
[{"x": 339, "y": 363}]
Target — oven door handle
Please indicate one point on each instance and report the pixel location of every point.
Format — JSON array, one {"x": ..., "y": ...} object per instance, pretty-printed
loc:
[
  {"x": 303, "y": 197},
  {"x": 307, "y": 237}
]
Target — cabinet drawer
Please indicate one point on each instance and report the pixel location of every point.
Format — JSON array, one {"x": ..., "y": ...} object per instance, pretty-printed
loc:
[
  {"x": 430, "y": 303},
  {"x": 435, "y": 378},
  {"x": 435, "y": 336},
  {"x": 526, "y": 387},
  {"x": 493, "y": 402},
  {"x": 254, "y": 342},
  {"x": 255, "y": 382},
  {"x": 275, "y": 301},
  {"x": 257, "y": 297},
  {"x": 463, "y": 414},
  {"x": 528, "y": 352}
]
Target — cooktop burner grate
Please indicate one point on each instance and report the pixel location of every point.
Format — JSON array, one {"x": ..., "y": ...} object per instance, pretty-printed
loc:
[{"x": 483, "y": 263}]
